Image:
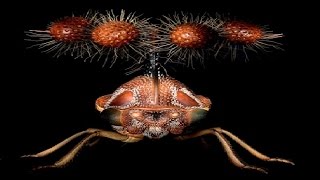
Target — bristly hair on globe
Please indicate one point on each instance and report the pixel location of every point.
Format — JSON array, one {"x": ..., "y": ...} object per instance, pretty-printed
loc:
[
  {"x": 122, "y": 37},
  {"x": 96, "y": 36},
  {"x": 237, "y": 37},
  {"x": 69, "y": 35},
  {"x": 181, "y": 38},
  {"x": 185, "y": 37}
]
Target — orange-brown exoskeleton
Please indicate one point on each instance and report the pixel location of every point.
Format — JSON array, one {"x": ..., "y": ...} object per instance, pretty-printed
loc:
[{"x": 154, "y": 107}]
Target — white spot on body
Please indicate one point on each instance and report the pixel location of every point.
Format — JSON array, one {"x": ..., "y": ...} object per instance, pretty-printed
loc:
[
  {"x": 155, "y": 132},
  {"x": 174, "y": 124}
]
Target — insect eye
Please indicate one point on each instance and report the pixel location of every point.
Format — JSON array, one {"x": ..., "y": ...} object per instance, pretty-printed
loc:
[
  {"x": 112, "y": 116},
  {"x": 174, "y": 115},
  {"x": 136, "y": 114},
  {"x": 198, "y": 114}
]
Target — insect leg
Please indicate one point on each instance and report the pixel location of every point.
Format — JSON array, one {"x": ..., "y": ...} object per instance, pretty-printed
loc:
[
  {"x": 119, "y": 137},
  {"x": 226, "y": 146},
  {"x": 57, "y": 146},
  {"x": 71, "y": 154},
  {"x": 232, "y": 156},
  {"x": 115, "y": 136},
  {"x": 86, "y": 141},
  {"x": 95, "y": 133},
  {"x": 250, "y": 149}
]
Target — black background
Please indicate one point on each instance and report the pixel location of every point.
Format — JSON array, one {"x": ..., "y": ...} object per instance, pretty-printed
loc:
[{"x": 45, "y": 99}]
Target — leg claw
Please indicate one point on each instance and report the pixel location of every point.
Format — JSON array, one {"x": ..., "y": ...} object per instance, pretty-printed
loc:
[
  {"x": 281, "y": 160},
  {"x": 256, "y": 168}
]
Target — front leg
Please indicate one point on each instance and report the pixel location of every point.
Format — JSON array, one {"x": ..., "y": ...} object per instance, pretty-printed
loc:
[
  {"x": 218, "y": 132},
  {"x": 71, "y": 154},
  {"x": 57, "y": 146},
  {"x": 251, "y": 150}
]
